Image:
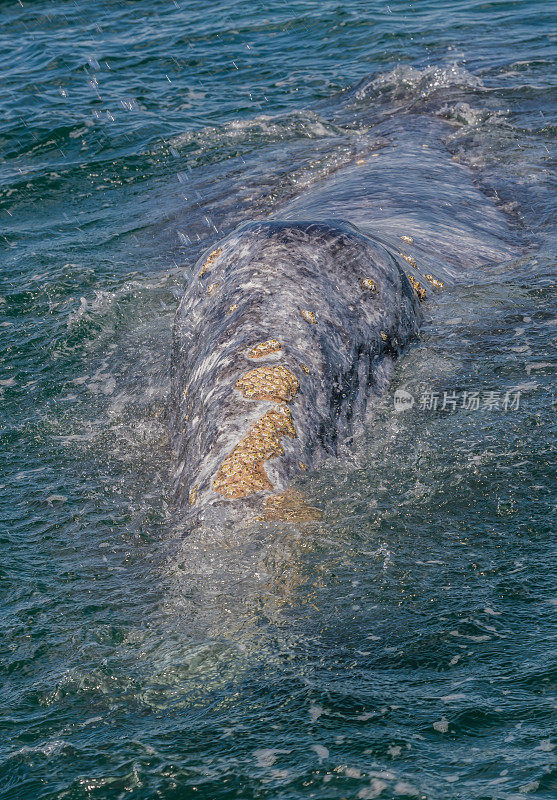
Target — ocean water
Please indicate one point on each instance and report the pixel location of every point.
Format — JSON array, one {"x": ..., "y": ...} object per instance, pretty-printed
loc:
[{"x": 403, "y": 646}]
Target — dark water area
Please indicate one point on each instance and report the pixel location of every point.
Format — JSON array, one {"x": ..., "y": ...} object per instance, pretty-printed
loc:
[{"x": 404, "y": 645}]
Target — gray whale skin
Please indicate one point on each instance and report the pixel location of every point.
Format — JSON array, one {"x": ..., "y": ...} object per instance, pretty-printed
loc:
[{"x": 284, "y": 335}]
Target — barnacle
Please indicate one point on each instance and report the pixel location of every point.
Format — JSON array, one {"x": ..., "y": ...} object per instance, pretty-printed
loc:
[
  {"x": 309, "y": 316},
  {"x": 383, "y": 335},
  {"x": 369, "y": 284},
  {"x": 242, "y": 472},
  {"x": 411, "y": 261},
  {"x": 407, "y": 239},
  {"x": 209, "y": 262},
  {"x": 265, "y": 349},
  {"x": 269, "y": 383},
  {"x": 435, "y": 281},
  {"x": 418, "y": 288},
  {"x": 212, "y": 288},
  {"x": 232, "y": 308}
]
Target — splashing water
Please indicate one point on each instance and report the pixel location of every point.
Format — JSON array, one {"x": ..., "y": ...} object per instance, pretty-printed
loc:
[{"x": 400, "y": 647}]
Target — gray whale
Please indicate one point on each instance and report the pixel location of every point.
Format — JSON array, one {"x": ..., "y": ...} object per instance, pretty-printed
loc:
[{"x": 282, "y": 339}]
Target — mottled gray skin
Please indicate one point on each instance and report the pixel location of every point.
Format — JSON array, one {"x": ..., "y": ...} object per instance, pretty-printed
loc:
[{"x": 271, "y": 271}]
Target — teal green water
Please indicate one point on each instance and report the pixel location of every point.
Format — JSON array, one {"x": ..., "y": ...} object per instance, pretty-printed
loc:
[{"x": 403, "y": 647}]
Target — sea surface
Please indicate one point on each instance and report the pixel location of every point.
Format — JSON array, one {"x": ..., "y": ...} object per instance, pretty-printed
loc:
[{"x": 404, "y": 645}]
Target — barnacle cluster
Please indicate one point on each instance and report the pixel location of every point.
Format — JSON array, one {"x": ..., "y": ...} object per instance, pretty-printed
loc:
[
  {"x": 407, "y": 239},
  {"x": 418, "y": 288},
  {"x": 263, "y": 349},
  {"x": 435, "y": 281},
  {"x": 411, "y": 261},
  {"x": 309, "y": 316},
  {"x": 242, "y": 471},
  {"x": 369, "y": 284},
  {"x": 209, "y": 262},
  {"x": 212, "y": 288},
  {"x": 276, "y": 383}
]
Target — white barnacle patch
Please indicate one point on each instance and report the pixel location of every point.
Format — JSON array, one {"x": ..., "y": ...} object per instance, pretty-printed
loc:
[
  {"x": 410, "y": 260},
  {"x": 309, "y": 316},
  {"x": 369, "y": 284},
  {"x": 270, "y": 347},
  {"x": 209, "y": 262},
  {"x": 435, "y": 281}
]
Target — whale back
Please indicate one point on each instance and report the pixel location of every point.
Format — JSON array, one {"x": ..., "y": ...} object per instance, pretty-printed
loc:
[{"x": 285, "y": 333}]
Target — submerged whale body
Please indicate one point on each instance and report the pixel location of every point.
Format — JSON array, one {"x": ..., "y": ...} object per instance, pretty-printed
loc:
[{"x": 284, "y": 335}]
